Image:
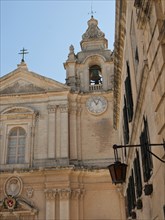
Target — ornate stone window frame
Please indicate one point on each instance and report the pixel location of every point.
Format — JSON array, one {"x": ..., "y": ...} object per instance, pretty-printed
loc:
[{"x": 12, "y": 117}]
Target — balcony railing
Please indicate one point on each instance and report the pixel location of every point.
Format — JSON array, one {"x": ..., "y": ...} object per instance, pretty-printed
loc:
[{"x": 97, "y": 87}]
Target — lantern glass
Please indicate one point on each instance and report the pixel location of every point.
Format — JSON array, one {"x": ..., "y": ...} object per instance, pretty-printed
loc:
[{"x": 118, "y": 172}]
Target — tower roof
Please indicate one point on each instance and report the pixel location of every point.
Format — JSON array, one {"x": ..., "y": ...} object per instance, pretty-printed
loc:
[{"x": 93, "y": 38}]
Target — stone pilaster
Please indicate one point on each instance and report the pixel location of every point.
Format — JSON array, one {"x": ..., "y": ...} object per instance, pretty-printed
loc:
[
  {"x": 51, "y": 130},
  {"x": 64, "y": 131},
  {"x": 64, "y": 195},
  {"x": 79, "y": 147},
  {"x": 50, "y": 204},
  {"x": 73, "y": 132}
]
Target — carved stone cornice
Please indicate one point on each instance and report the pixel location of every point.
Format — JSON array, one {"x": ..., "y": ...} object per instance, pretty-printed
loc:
[
  {"x": 50, "y": 194},
  {"x": 63, "y": 108},
  {"x": 75, "y": 194},
  {"x": 64, "y": 193},
  {"x": 51, "y": 108}
]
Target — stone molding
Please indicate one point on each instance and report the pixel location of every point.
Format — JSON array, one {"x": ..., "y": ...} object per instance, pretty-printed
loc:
[
  {"x": 50, "y": 194},
  {"x": 63, "y": 108},
  {"x": 118, "y": 54},
  {"x": 51, "y": 108},
  {"x": 64, "y": 194},
  {"x": 13, "y": 186}
]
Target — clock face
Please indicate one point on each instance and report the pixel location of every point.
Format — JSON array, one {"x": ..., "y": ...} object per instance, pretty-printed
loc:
[{"x": 96, "y": 104}]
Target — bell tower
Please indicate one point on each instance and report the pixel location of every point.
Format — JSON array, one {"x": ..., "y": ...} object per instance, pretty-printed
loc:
[
  {"x": 92, "y": 68},
  {"x": 89, "y": 73}
]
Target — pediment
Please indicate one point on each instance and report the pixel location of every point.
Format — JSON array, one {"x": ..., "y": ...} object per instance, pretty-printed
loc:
[
  {"x": 18, "y": 110},
  {"x": 26, "y": 82},
  {"x": 22, "y": 86}
]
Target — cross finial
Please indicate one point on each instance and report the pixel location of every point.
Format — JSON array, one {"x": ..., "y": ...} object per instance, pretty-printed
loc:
[
  {"x": 92, "y": 12},
  {"x": 23, "y": 52}
]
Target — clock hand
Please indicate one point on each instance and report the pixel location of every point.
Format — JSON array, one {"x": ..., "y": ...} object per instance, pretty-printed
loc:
[
  {"x": 97, "y": 102},
  {"x": 94, "y": 100}
]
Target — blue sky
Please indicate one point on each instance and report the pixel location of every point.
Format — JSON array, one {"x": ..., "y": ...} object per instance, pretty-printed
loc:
[{"x": 47, "y": 29}]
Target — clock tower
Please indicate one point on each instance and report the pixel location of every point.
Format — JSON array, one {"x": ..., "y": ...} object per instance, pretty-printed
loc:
[{"x": 89, "y": 74}]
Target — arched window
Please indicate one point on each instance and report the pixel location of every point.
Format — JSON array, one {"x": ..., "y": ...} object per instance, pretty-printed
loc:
[
  {"x": 95, "y": 76},
  {"x": 16, "y": 146}
]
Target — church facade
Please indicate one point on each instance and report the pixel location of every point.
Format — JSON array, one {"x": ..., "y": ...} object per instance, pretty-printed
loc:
[{"x": 56, "y": 139}]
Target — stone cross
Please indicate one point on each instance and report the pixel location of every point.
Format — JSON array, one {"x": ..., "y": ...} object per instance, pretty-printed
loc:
[{"x": 23, "y": 52}]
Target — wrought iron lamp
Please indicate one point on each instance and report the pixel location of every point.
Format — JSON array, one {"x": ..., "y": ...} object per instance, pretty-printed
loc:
[{"x": 118, "y": 170}]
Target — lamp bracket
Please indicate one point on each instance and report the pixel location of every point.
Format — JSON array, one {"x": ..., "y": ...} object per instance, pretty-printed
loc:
[{"x": 115, "y": 147}]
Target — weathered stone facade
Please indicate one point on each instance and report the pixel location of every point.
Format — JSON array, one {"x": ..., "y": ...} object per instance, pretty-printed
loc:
[
  {"x": 56, "y": 140},
  {"x": 139, "y": 103}
]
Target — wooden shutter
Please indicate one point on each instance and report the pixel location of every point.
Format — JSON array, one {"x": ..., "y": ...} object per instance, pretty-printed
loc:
[
  {"x": 131, "y": 199},
  {"x": 137, "y": 172},
  {"x": 125, "y": 125},
  {"x": 138, "y": 3},
  {"x": 129, "y": 99},
  {"x": 146, "y": 156}
]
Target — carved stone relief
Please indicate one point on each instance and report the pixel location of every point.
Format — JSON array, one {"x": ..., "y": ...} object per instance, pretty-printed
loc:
[
  {"x": 51, "y": 108},
  {"x": 93, "y": 31},
  {"x": 13, "y": 186},
  {"x": 64, "y": 193},
  {"x": 29, "y": 191},
  {"x": 21, "y": 87},
  {"x": 64, "y": 108}
]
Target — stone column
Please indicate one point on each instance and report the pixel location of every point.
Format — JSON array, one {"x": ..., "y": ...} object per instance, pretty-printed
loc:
[
  {"x": 64, "y": 131},
  {"x": 73, "y": 133},
  {"x": 86, "y": 78},
  {"x": 50, "y": 205},
  {"x": 75, "y": 200},
  {"x": 51, "y": 130},
  {"x": 64, "y": 195},
  {"x": 79, "y": 142},
  {"x": 81, "y": 204}
]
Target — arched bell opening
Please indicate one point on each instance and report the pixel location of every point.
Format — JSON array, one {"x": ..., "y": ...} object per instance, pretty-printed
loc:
[{"x": 95, "y": 75}]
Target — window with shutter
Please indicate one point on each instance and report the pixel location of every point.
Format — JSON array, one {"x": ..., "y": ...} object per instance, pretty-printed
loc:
[
  {"x": 128, "y": 91},
  {"x": 138, "y": 3},
  {"x": 137, "y": 171},
  {"x": 131, "y": 199},
  {"x": 125, "y": 125},
  {"x": 146, "y": 156},
  {"x": 16, "y": 146},
  {"x": 136, "y": 55}
]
